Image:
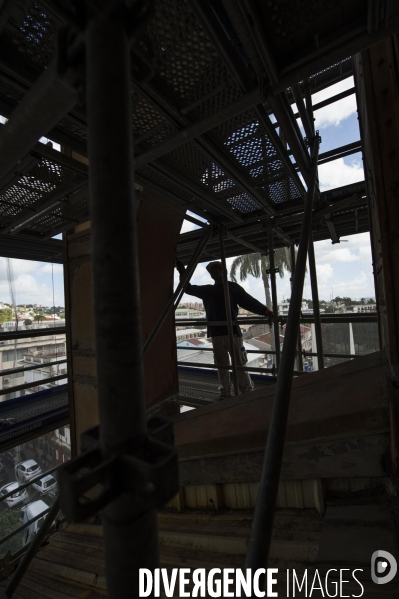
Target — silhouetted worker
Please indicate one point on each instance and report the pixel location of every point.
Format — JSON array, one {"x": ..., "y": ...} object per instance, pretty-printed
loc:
[{"x": 215, "y": 308}]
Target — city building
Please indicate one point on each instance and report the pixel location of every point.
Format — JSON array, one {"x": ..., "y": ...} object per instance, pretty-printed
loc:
[
  {"x": 188, "y": 313},
  {"x": 182, "y": 334}
]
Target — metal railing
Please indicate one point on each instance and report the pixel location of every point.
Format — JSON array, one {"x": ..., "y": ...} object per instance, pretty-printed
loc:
[
  {"x": 341, "y": 318},
  {"x": 27, "y": 334},
  {"x": 28, "y": 550}
]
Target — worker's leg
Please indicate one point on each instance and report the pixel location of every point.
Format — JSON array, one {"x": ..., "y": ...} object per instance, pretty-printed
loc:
[
  {"x": 244, "y": 380},
  {"x": 221, "y": 357}
]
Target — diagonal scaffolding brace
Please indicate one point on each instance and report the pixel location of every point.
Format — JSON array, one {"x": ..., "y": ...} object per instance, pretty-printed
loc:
[
  {"x": 175, "y": 299},
  {"x": 262, "y": 524}
]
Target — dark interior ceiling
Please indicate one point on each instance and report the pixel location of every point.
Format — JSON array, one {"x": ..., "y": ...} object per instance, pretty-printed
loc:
[{"x": 212, "y": 121}]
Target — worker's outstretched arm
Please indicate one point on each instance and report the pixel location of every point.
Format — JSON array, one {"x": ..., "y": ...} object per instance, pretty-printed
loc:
[
  {"x": 251, "y": 304},
  {"x": 196, "y": 290}
]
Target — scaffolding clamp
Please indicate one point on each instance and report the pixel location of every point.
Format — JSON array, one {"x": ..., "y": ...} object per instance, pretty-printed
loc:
[
  {"x": 311, "y": 140},
  {"x": 147, "y": 469}
]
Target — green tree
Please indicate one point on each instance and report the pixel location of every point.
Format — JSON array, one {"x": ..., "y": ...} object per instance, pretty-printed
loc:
[
  {"x": 39, "y": 317},
  {"x": 6, "y": 315},
  {"x": 9, "y": 521},
  {"x": 256, "y": 265}
]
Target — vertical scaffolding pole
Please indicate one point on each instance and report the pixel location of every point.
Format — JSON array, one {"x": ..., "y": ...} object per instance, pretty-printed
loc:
[
  {"x": 130, "y": 531},
  {"x": 276, "y": 331},
  {"x": 228, "y": 312},
  {"x": 311, "y": 256},
  {"x": 262, "y": 523},
  {"x": 299, "y": 361},
  {"x": 316, "y": 305}
]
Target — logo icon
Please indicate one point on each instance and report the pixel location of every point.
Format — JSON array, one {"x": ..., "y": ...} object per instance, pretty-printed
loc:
[{"x": 383, "y": 567}]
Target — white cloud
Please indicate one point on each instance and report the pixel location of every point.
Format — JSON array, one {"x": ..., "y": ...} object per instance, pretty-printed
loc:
[
  {"x": 324, "y": 273},
  {"x": 18, "y": 267},
  {"x": 337, "y": 174},
  {"x": 360, "y": 286},
  {"x": 356, "y": 248},
  {"x": 334, "y": 114},
  {"x": 338, "y": 255},
  {"x": 29, "y": 291},
  {"x": 332, "y": 90}
]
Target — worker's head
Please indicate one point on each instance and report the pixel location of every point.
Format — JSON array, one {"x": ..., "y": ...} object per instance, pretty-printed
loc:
[{"x": 216, "y": 271}]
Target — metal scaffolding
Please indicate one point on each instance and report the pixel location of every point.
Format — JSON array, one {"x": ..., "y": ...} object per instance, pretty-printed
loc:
[{"x": 102, "y": 73}]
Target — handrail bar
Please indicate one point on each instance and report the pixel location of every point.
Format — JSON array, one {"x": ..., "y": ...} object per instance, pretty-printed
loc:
[
  {"x": 23, "y": 526},
  {"x": 272, "y": 351},
  {"x": 51, "y": 379},
  {"x": 327, "y": 319},
  {"x": 31, "y": 367},
  {"x": 219, "y": 366},
  {"x": 32, "y": 548},
  {"x": 214, "y": 367},
  {"x": 11, "y": 335},
  {"x": 29, "y": 482}
]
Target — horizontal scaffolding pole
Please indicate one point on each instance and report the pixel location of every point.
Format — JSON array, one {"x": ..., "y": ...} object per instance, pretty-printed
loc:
[
  {"x": 245, "y": 243},
  {"x": 245, "y": 368},
  {"x": 23, "y": 526},
  {"x": 51, "y": 379},
  {"x": 249, "y": 351},
  {"x": 11, "y": 335},
  {"x": 332, "y": 355},
  {"x": 331, "y": 100},
  {"x": 224, "y": 367},
  {"x": 272, "y": 351},
  {"x": 327, "y": 319},
  {"x": 32, "y": 367},
  {"x": 23, "y": 486}
]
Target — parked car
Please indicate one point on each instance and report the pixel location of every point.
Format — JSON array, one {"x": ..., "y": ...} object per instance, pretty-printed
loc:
[
  {"x": 29, "y": 512},
  {"x": 25, "y": 471},
  {"x": 19, "y": 496},
  {"x": 45, "y": 485},
  {"x": 3, "y": 473},
  {"x": 9, "y": 458}
]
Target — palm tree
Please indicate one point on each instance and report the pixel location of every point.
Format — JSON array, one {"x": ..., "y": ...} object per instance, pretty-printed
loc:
[{"x": 257, "y": 264}]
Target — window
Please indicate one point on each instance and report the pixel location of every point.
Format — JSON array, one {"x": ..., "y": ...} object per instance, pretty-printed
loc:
[{"x": 62, "y": 431}]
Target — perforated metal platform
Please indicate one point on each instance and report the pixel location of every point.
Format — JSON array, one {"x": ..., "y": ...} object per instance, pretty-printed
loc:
[{"x": 213, "y": 126}]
